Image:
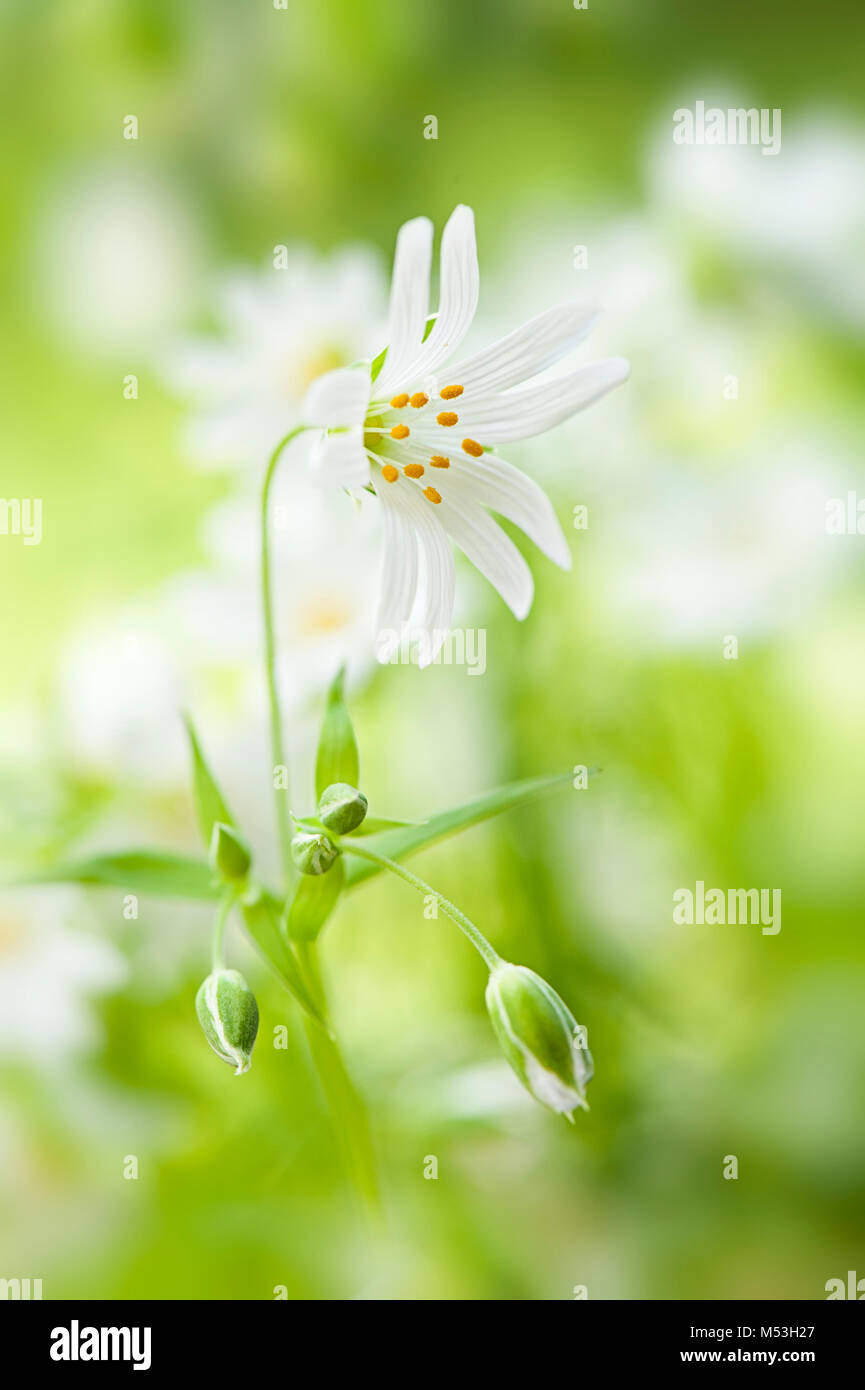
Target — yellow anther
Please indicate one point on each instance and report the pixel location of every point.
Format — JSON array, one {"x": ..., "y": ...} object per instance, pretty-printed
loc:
[
  {"x": 431, "y": 494},
  {"x": 399, "y": 402},
  {"x": 413, "y": 470},
  {"x": 439, "y": 461},
  {"x": 418, "y": 399},
  {"x": 472, "y": 447},
  {"x": 400, "y": 432},
  {"x": 389, "y": 473},
  {"x": 450, "y": 393},
  {"x": 447, "y": 417}
]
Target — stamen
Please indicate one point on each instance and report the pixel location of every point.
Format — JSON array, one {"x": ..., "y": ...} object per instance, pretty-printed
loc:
[
  {"x": 413, "y": 470},
  {"x": 431, "y": 494},
  {"x": 447, "y": 417},
  {"x": 450, "y": 393},
  {"x": 400, "y": 432},
  {"x": 399, "y": 402},
  {"x": 472, "y": 447},
  {"x": 389, "y": 473},
  {"x": 418, "y": 399},
  {"x": 439, "y": 461}
]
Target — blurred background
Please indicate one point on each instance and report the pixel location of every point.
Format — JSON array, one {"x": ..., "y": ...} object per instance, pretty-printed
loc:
[{"x": 153, "y": 352}]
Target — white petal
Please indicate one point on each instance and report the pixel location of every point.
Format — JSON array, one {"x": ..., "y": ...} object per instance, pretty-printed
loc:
[
  {"x": 409, "y": 301},
  {"x": 340, "y": 460},
  {"x": 399, "y": 573},
  {"x": 534, "y": 409},
  {"x": 434, "y": 619},
  {"x": 460, "y": 283},
  {"x": 338, "y": 398},
  {"x": 529, "y": 349},
  {"x": 496, "y": 484},
  {"x": 494, "y": 553}
]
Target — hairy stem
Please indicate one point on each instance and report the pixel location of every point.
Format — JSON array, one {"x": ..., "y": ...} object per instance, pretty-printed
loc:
[
  {"x": 467, "y": 927},
  {"x": 277, "y": 746}
]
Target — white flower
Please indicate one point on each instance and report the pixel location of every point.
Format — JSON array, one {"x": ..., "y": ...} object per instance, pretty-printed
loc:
[
  {"x": 421, "y": 435},
  {"x": 285, "y": 327},
  {"x": 49, "y": 968}
]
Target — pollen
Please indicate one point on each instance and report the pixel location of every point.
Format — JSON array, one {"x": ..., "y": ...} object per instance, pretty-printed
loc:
[
  {"x": 400, "y": 432},
  {"x": 450, "y": 393},
  {"x": 439, "y": 461},
  {"x": 472, "y": 447},
  {"x": 413, "y": 470},
  {"x": 447, "y": 417},
  {"x": 389, "y": 473},
  {"x": 418, "y": 399},
  {"x": 431, "y": 494},
  {"x": 401, "y": 401}
]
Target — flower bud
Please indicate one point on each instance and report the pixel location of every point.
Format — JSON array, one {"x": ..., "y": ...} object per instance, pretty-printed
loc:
[
  {"x": 540, "y": 1037},
  {"x": 342, "y": 808},
  {"x": 229, "y": 854},
  {"x": 312, "y": 852},
  {"x": 228, "y": 1014}
]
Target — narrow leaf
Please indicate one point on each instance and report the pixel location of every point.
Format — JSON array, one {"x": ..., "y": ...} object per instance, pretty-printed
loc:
[
  {"x": 262, "y": 915},
  {"x": 313, "y": 902},
  {"x": 337, "y": 759},
  {"x": 397, "y": 844},
  {"x": 137, "y": 871},
  {"x": 209, "y": 804}
]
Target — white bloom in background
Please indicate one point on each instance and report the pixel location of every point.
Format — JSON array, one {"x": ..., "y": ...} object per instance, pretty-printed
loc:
[
  {"x": 115, "y": 261},
  {"x": 421, "y": 434},
  {"x": 49, "y": 968},
  {"x": 743, "y": 552},
  {"x": 284, "y": 327},
  {"x": 120, "y": 696},
  {"x": 802, "y": 215}
]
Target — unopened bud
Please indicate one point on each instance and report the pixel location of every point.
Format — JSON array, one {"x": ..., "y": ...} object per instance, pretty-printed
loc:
[
  {"x": 342, "y": 808},
  {"x": 540, "y": 1037},
  {"x": 228, "y": 1014},
  {"x": 313, "y": 852},
  {"x": 229, "y": 853}
]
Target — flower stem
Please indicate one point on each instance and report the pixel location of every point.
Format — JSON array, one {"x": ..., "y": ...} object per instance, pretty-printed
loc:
[
  {"x": 226, "y": 903},
  {"x": 467, "y": 927},
  {"x": 347, "y": 1108},
  {"x": 277, "y": 746}
]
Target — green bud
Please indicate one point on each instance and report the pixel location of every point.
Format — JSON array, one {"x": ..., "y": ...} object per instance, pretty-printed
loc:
[
  {"x": 228, "y": 1014},
  {"x": 313, "y": 852},
  {"x": 229, "y": 854},
  {"x": 540, "y": 1037},
  {"x": 342, "y": 808}
]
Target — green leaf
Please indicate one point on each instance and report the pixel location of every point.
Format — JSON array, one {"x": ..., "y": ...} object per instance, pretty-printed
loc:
[
  {"x": 137, "y": 871},
  {"x": 374, "y": 825},
  {"x": 209, "y": 804},
  {"x": 314, "y": 900},
  {"x": 337, "y": 759},
  {"x": 398, "y": 844},
  {"x": 263, "y": 917}
]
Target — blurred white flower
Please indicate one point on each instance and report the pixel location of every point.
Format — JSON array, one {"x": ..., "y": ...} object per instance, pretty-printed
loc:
[
  {"x": 802, "y": 215},
  {"x": 115, "y": 260},
  {"x": 50, "y": 967},
  {"x": 283, "y": 328},
  {"x": 742, "y": 552}
]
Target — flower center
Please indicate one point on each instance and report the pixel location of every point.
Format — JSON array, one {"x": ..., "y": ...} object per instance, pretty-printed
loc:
[{"x": 380, "y": 431}]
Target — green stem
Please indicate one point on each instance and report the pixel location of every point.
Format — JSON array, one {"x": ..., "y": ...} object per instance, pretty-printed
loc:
[
  {"x": 277, "y": 746},
  {"x": 347, "y": 1108},
  {"x": 227, "y": 901},
  {"x": 467, "y": 927}
]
